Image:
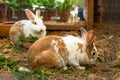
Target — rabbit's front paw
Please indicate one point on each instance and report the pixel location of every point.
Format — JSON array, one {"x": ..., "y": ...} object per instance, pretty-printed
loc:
[
  {"x": 80, "y": 68},
  {"x": 65, "y": 68}
]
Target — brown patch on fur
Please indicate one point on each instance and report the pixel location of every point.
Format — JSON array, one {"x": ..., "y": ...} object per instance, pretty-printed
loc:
[
  {"x": 88, "y": 50},
  {"x": 15, "y": 31},
  {"x": 19, "y": 26},
  {"x": 44, "y": 59},
  {"x": 43, "y": 54},
  {"x": 63, "y": 51},
  {"x": 80, "y": 46}
]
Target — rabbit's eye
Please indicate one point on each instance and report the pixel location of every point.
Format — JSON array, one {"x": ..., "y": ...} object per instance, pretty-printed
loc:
[
  {"x": 93, "y": 53},
  {"x": 35, "y": 23}
]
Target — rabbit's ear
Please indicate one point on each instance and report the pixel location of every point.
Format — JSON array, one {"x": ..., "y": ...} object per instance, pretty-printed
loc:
[
  {"x": 83, "y": 33},
  {"x": 90, "y": 37},
  {"x": 38, "y": 13},
  {"x": 29, "y": 14}
]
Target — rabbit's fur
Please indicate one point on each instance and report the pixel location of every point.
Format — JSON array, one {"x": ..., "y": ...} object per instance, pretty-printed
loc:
[
  {"x": 58, "y": 51},
  {"x": 34, "y": 26}
]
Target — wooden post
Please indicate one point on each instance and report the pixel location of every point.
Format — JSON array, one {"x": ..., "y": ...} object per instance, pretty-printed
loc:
[
  {"x": 90, "y": 21},
  {"x": 3, "y": 10}
]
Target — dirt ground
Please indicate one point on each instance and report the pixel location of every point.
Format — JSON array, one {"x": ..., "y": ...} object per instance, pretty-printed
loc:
[{"x": 107, "y": 66}]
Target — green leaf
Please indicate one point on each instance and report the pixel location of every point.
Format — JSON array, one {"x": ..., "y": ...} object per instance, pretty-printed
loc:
[
  {"x": 65, "y": 75},
  {"x": 10, "y": 62},
  {"x": 2, "y": 58},
  {"x": 27, "y": 39},
  {"x": 8, "y": 46},
  {"x": 1, "y": 64}
]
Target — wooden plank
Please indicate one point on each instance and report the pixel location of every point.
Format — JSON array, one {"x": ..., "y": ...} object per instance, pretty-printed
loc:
[
  {"x": 4, "y": 30},
  {"x": 4, "y": 27},
  {"x": 90, "y": 13},
  {"x": 64, "y": 26}
]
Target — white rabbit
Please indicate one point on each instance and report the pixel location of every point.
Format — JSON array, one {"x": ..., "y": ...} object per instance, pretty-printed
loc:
[
  {"x": 34, "y": 26},
  {"x": 58, "y": 51}
]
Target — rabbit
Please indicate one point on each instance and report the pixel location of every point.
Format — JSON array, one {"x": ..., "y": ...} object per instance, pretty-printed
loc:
[
  {"x": 34, "y": 26},
  {"x": 54, "y": 51}
]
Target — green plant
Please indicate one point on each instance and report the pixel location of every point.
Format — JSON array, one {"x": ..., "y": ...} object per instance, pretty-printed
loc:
[
  {"x": 115, "y": 70},
  {"x": 23, "y": 39},
  {"x": 23, "y": 76},
  {"x": 18, "y": 4},
  {"x": 48, "y": 4},
  {"x": 2, "y": 58},
  {"x": 8, "y": 46},
  {"x": 8, "y": 64},
  {"x": 41, "y": 74},
  {"x": 67, "y": 5},
  {"x": 36, "y": 74},
  {"x": 85, "y": 73},
  {"x": 66, "y": 75}
]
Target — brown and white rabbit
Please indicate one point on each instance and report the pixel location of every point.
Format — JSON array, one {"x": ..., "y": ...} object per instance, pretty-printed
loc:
[
  {"x": 34, "y": 26},
  {"x": 58, "y": 51}
]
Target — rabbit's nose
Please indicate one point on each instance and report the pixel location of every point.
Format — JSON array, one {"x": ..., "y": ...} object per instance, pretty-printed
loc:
[{"x": 41, "y": 31}]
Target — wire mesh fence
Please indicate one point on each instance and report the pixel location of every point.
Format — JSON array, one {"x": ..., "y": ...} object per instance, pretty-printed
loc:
[{"x": 106, "y": 11}]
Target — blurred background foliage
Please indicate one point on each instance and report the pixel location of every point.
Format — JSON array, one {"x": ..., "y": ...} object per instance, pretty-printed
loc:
[{"x": 60, "y": 5}]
